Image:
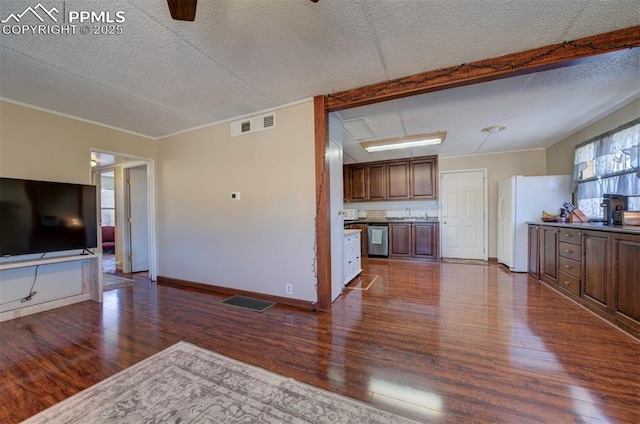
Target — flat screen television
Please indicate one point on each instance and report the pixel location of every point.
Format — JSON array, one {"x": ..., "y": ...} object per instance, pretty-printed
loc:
[{"x": 44, "y": 216}]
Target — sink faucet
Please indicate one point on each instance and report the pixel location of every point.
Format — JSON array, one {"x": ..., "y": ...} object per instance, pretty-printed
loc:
[{"x": 407, "y": 213}]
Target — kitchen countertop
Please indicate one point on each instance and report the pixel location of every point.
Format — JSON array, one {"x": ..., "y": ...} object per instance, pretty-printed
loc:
[
  {"x": 597, "y": 226},
  {"x": 350, "y": 232},
  {"x": 391, "y": 221}
]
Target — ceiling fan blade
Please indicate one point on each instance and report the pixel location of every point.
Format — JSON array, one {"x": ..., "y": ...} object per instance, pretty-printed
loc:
[{"x": 183, "y": 10}]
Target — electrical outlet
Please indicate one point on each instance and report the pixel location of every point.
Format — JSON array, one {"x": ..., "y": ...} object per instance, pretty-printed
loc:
[{"x": 288, "y": 288}]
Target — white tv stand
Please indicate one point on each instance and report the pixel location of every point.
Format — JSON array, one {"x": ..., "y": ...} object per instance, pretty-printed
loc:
[{"x": 91, "y": 283}]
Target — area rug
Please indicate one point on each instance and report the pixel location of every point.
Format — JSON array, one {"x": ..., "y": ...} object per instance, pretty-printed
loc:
[
  {"x": 188, "y": 384},
  {"x": 111, "y": 282}
]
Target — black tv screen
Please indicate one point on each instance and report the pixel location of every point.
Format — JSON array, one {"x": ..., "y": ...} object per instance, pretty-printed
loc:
[{"x": 44, "y": 216}]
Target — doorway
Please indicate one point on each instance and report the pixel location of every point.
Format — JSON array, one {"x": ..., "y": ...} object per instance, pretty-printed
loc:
[
  {"x": 463, "y": 211},
  {"x": 132, "y": 214}
]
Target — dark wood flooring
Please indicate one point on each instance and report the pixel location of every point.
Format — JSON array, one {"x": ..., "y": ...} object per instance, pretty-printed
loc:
[{"x": 436, "y": 342}]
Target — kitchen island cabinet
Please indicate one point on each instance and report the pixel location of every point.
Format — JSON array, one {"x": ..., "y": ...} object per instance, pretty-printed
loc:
[
  {"x": 596, "y": 266},
  {"x": 351, "y": 257},
  {"x": 364, "y": 237}
]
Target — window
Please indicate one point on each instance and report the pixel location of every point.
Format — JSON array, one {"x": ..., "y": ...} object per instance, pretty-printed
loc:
[
  {"x": 608, "y": 163},
  {"x": 107, "y": 200}
]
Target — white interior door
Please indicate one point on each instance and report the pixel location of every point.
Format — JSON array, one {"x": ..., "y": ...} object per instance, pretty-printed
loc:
[
  {"x": 138, "y": 218},
  {"x": 463, "y": 207}
]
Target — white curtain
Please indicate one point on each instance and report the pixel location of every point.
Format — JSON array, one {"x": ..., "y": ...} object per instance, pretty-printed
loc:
[{"x": 609, "y": 163}]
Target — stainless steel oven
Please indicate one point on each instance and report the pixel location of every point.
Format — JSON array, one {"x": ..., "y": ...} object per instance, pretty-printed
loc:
[{"x": 378, "y": 235}]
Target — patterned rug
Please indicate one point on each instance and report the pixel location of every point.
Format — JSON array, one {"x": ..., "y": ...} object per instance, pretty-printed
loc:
[
  {"x": 188, "y": 384},
  {"x": 111, "y": 282}
]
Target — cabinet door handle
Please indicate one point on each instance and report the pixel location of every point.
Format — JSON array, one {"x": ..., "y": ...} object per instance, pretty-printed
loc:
[
  {"x": 567, "y": 266},
  {"x": 568, "y": 235},
  {"x": 568, "y": 251},
  {"x": 567, "y": 283}
]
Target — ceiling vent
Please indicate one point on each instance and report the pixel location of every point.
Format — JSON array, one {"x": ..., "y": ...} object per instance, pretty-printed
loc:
[{"x": 249, "y": 125}]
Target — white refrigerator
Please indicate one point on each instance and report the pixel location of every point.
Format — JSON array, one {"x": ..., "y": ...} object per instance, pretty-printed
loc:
[{"x": 522, "y": 199}]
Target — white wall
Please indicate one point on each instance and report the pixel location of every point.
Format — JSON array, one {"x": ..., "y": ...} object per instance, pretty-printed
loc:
[{"x": 263, "y": 241}]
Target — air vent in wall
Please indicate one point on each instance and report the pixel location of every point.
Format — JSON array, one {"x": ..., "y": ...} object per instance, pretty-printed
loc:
[{"x": 258, "y": 123}]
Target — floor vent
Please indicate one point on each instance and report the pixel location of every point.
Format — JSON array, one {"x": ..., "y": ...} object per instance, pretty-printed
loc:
[{"x": 249, "y": 125}]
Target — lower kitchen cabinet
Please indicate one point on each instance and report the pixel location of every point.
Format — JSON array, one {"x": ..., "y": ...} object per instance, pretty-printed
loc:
[
  {"x": 425, "y": 240},
  {"x": 364, "y": 238},
  {"x": 549, "y": 254},
  {"x": 625, "y": 304},
  {"x": 597, "y": 267},
  {"x": 351, "y": 257},
  {"x": 400, "y": 240},
  {"x": 413, "y": 240},
  {"x": 534, "y": 251}
]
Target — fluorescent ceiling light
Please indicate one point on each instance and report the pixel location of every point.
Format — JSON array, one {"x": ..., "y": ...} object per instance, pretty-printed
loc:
[{"x": 404, "y": 142}]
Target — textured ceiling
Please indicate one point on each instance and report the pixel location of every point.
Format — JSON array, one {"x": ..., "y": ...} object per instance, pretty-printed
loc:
[{"x": 241, "y": 57}]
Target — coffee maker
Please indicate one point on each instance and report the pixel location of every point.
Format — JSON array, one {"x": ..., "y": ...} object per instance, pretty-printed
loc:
[{"x": 611, "y": 203}]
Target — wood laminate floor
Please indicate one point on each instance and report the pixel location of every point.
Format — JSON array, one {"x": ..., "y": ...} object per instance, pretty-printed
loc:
[{"x": 432, "y": 341}]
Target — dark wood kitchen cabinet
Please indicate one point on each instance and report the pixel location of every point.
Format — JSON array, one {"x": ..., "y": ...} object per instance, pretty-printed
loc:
[
  {"x": 358, "y": 183},
  {"x": 398, "y": 186},
  {"x": 569, "y": 250},
  {"x": 423, "y": 177},
  {"x": 425, "y": 240},
  {"x": 400, "y": 240},
  {"x": 346, "y": 183},
  {"x": 625, "y": 302},
  {"x": 534, "y": 251},
  {"x": 413, "y": 179},
  {"x": 377, "y": 181},
  {"x": 597, "y": 267},
  {"x": 549, "y": 254},
  {"x": 366, "y": 182},
  {"x": 413, "y": 240}
]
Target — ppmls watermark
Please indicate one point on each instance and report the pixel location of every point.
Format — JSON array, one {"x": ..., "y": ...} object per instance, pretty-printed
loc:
[{"x": 57, "y": 20}]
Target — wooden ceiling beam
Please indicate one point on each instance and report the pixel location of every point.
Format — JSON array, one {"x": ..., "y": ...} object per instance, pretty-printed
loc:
[{"x": 534, "y": 60}]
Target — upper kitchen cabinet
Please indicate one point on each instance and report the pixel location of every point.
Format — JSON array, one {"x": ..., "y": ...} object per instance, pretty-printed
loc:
[
  {"x": 377, "y": 181},
  {"x": 424, "y": 178},
  {"x": 366, "y": 182},
  {"x": 398, "y": 185},
  {"x": 358, "y": 183},
  {"x": 411, "y": 179}
]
